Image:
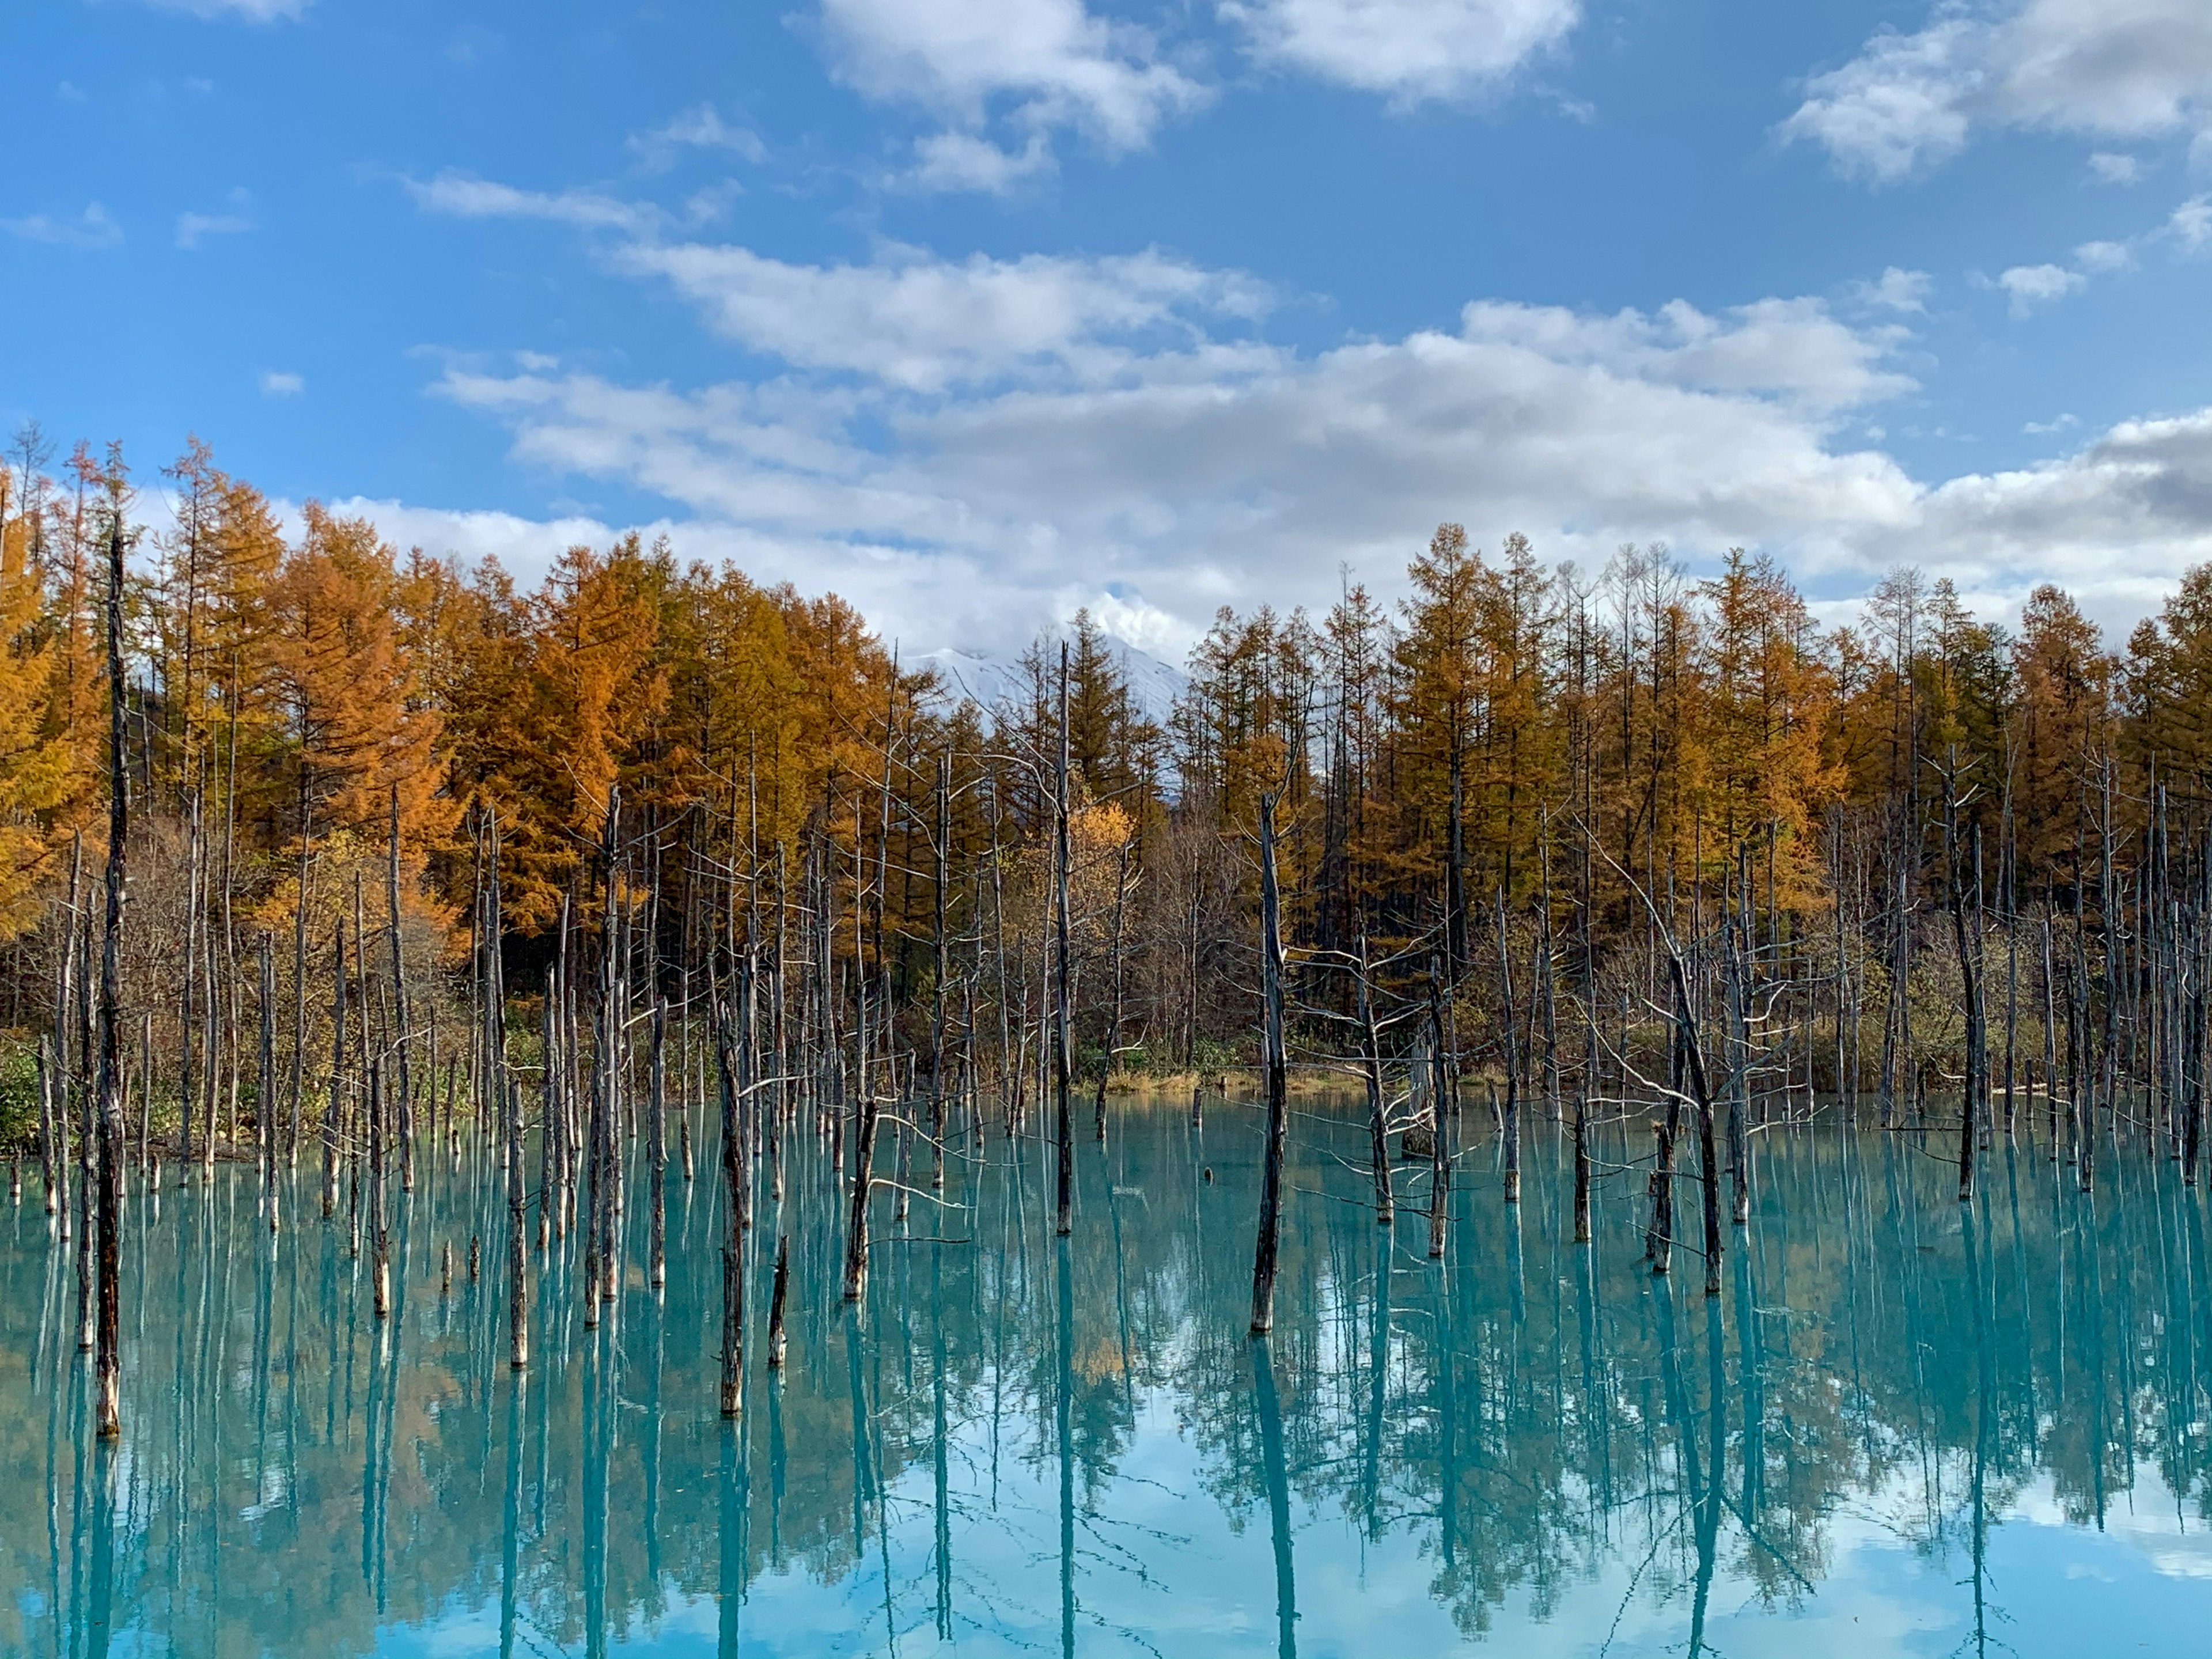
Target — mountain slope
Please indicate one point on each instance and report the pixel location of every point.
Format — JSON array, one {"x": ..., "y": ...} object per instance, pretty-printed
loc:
[{"x": 989, "y": 680}]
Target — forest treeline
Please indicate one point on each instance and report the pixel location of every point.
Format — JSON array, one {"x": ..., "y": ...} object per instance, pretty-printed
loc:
[{"x": 1924, "y": 853}]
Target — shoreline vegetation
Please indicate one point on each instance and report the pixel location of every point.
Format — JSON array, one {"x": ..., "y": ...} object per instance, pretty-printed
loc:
[{"x": 342, "y": 859}]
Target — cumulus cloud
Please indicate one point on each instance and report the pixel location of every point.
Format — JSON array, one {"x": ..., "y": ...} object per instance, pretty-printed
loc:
[
  {"x": 905, "y": 594},
  {"x": 2191, "y": 223},
  {"x": 2183, "y": 233},
  {"x": 1900, "y": 103},
  {"x": 2123, "y": 69},
  {"x": 961, "y": 161},
  {"x": 283, "y": 383},
  {"x": 924, "y": 324},
  {"x": 1897, "y": 290},
  {"x": 904, "y": 317},
  {"x": 1037, "y": 64},
  {"x": 2118, "y": 520},
  {"x": 2104, "y": 256},
  {"x": 1791, "y": 349},
  {"x": 970, "y": 448},
  {"x": 701, "y": 127},
  {"x": 2113, "y": 168},
  {"x": 94, "y": 228},
  {"x": 1409, "y": 50},
  {"x": 525, "y": 547},
  {"x": 977, "y": 520},
  {"x": 2032, "y": 286},
  {"x": 1005, "y": 78}
]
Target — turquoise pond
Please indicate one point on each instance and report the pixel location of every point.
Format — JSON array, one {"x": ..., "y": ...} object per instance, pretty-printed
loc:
[{"x": 1906, "y": 1427}]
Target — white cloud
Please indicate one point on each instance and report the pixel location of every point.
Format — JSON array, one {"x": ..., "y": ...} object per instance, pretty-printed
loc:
[
  {"x": 1793, "y": 350},
  {"x": 94, "y": 228},
  {"x": 193, "y": 228},
  {"x": 1408, "y": 49},
  {"x": 2114, "y": 168},
  {"x": 2137, "y": 500},
  {"x": 463, "y": 195},
  {"x": 1037, "y": 65},
  {"x": 525, "y": 547},
  {"x": 904, "y": 318},
  {"x": 2124, "y": 69},
  {"x": 1897, "y": 105},
  {"x": 925, "y": 324},
  {"x": 282, "y": 383},
  {"x": 969, "y": 449},
  {"x": 977, "y": 520},
  {"x": 2030, "y": 286},
  {"x": 955, "y": 162},
  {"x": 699, "y": 128},
  {"x": 2191, "y": 223},
  {"x": 254, "y": 11},
  {"x": 1898, "y": 290}
]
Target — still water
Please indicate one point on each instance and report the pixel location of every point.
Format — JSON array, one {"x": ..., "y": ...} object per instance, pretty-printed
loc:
[{"x": 1907, "y": 1426}]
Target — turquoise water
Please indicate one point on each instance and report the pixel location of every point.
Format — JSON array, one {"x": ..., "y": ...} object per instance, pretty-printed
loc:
[{"x": 1905, "y": 1427}]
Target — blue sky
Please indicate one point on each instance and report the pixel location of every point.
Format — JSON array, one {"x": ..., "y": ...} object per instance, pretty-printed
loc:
[{"x": 976, "y": 311}]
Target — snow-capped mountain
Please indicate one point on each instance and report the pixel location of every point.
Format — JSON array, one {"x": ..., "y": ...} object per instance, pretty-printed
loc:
[
  {"x": 1154, "y": 682},
  {"x": 990, "y": 680}
]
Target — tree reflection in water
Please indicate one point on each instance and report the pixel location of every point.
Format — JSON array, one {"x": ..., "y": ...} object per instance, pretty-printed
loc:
[{"x": 987, "y": 1455}]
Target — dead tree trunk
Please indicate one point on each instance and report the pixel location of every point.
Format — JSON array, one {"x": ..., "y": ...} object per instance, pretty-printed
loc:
[
  {"x": 379, "y": 1233},
  {"x": 1659, "y": 1237},
  {"x": 1440, "y": 1118},
  {"x": 404, "y": 1114},
  {"x": 1689, "y": 1050},
  {"x": 600, "y": 1265},
  {"x": 338, "y": 1069},
  {"x": 657, "y": 1147},
  {"x": 108, "y": 1356},
  {"x": 508, "y": 1103},
  {"x": 299, "y": 989},
  {"x": 187, "y": 1077},
  {"x": 1969, "y": 980},
  {"x": 730, "y": 1055},
  {"x": 940, "y": 967},
  {"x": 864, "y": 1164},
  {"x": 1370, "y": 1066},
  {"x": 1277, "y": 1078},
  {"x": 777, "y": 1294},
  {"x": 1708, "y": 1154},
  {"x": 265, "y": 1100},
  {"x": 1063, "y": 1043},
  {"x": 57, "y": 1092},
  {"x": 1510, "y": 1125},
  {"x": 1114, "y": 1023},
  {"x": 1736, "y": 969}
]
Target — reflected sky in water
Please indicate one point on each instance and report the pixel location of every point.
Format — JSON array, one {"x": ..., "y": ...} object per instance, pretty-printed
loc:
[{"x": 1905, "y": 1427}]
